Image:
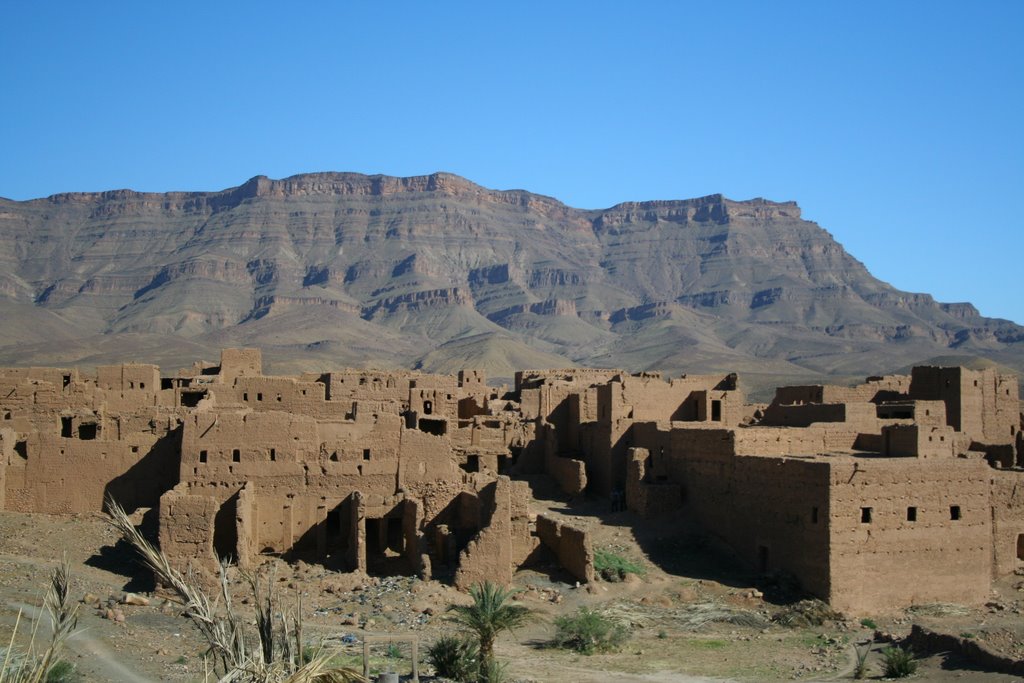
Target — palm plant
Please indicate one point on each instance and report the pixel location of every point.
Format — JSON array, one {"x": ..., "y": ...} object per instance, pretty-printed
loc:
[{"x": 488, "y": 616}]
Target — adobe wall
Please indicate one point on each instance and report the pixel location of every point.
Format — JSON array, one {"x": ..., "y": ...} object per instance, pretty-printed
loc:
[
  {"x": 186, "y": 530},
  {"x": 903, "y": 533},
  {"x": 980, "y": 403},
  {"x": 1007, "y": 521},
  {"x": 771, "y": 511},
  {"x": 504, "y": 540},
  {"x": 571, "y": 545},
  {"x": 569, "y": 473},
  {"x": 874, "y": 390},
  {"x": 7, "y": 438},
  {"x": 235, "y": 363},
  {"x": 764, "y": 507},
  {"x": 646, "y": 494}
]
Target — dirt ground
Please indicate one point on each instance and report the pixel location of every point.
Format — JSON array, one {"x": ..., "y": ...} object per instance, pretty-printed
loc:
[{"x": 691, "y": 616}]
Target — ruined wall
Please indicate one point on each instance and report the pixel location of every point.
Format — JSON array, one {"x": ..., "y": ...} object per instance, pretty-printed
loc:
[
  {"x": 571, "y": 545},
  {"x": 7, "y": 439},
  {"x": 569, "y": 473},
  {"x": 186, "y": 530},
  {"x": 903, "y": 533},
  {"x": 1007, "y": 494},
  {"x": 646, "y": 494},
  {"x": 488, "y": 556}
]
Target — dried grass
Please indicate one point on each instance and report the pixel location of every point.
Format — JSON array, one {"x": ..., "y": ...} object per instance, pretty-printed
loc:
[
  {"x": 269, "y": 653},
  {"x": 33, "y": 665}
]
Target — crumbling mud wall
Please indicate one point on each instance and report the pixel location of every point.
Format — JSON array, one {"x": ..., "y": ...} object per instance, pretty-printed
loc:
[
  {"x": 503, "y": 541},
  {"x": 1007, "y": 504},
  {"x": 647, "y": 495},
  {"x": 571, "y": 545}
]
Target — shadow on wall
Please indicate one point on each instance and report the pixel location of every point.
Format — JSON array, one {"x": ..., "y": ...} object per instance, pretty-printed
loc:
[{"x": 153, "y": 475}]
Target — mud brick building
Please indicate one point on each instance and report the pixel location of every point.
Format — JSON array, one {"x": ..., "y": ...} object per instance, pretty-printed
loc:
[{"x": 904, "y": 489}]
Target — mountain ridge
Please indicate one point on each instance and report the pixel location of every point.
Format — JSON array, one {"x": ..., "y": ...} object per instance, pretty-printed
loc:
[{"x": 427, "y": 260}]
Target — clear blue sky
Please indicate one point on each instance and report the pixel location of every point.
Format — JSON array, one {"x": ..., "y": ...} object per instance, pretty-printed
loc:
[{"x": 896, "y": 125}]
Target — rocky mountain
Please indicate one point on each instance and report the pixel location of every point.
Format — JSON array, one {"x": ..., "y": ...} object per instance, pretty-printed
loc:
[{"x": 333, "y": 269}]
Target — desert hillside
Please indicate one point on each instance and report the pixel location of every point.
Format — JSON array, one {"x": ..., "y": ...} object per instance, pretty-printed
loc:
[{"x": 435, "y": 272}]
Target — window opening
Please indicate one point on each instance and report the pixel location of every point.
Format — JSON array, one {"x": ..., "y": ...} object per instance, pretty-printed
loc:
[
  {"x": 1020, "y": 547},
  {"x": 911, "y": 514},
  {"x": 65, "y": 427},
  {"x": 236, "y": 455},
  {"x": 21, "y": 448},
  {"x": 366, "y": 454},
  {"x": 87, "y": 432},
  {"x": 202, "y": 456},
  {"x": 954, "y": 512},
  {"x": 865, "y": 515},
  {"x": 273, "y": 454},
  {"x": 67, "y": 380},
  {"x": 428, "y": 407},
  {"x": 814, "y": 515},
  {"x": 190, "y": 399}
]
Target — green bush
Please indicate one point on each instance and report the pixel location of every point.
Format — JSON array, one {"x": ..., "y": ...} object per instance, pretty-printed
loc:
[
  {"x": 63, "y": 672},
  {"x": 454, "y": 658},
  {"x": 613, "y": 567},
  {"x": 868, "y": 623},
  {"x": 898, "y": 662},
  {"x": 588, "y": 631}
]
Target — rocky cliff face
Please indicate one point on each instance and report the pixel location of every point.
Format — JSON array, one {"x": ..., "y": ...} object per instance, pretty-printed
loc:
[{"x": 342, "y": 268}]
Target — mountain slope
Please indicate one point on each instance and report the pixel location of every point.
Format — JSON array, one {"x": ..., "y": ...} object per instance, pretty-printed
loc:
[{"x": 346, "y": 269}]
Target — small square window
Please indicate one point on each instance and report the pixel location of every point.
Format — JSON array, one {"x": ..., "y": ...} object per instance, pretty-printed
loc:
[
  {"x": 236, "y": 455},
  {"x": 202, "y": 456},
  {"x": 911, "y": 514},
  {"x": 135, "y": 449},
  {"x": 245, "y": 396},
  {"x": 366, "y": 454},
  {"x": 865, "y": 515},
  {"x": 259, "y": 396},
  {"x": 954, "y": 512},
  {"x": 273, "y": 454}
]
